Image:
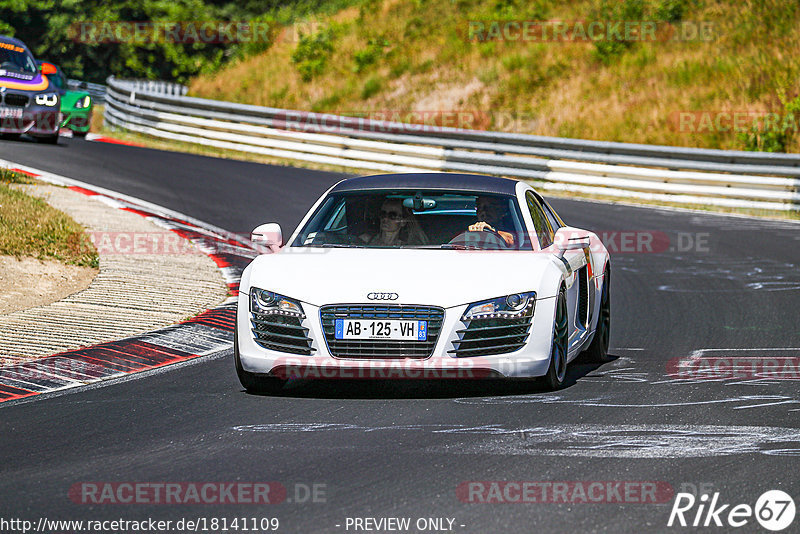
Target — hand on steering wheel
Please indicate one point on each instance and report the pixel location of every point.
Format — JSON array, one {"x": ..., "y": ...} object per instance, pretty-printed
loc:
[
  {"x": 483, "y": 226},
  {"x": 480, "y": 227}
]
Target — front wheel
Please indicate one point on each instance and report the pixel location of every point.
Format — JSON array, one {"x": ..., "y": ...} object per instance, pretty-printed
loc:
[
  {"x": 598, "y": 350},
  {"x": 50, "y": 139},
  {"x": 557, "y": 371},
  {"x": 251, "y": 382}
]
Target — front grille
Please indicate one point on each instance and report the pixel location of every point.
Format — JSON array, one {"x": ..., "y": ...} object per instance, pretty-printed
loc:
[
  {"x": 356, "y": 349},
  {"x": 484, "y": 337},
  {"x": 281, "y": 333},
  {"x": 13, "y": 99}
]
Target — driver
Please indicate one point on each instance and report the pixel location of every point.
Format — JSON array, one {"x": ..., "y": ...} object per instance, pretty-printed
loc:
[{"x": 492, "y": 216}]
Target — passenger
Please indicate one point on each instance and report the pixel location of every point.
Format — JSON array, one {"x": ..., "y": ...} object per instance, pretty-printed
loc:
[
  {"x": 493, "y": 215},
  {"x": 398, "y": 227}
]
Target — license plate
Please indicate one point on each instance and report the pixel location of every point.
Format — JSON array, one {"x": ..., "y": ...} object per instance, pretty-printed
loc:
[
  {"x": 10, "y": 113},
  {"x": 381, "y": 329}
]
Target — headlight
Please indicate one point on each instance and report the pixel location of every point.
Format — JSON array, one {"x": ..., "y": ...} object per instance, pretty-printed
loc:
[
  {"x": 84, "y": 102},
  {"x": 270, "y": 303},
  {"x": 510, "y": 306},
  {"x": 47, "y": 99}
]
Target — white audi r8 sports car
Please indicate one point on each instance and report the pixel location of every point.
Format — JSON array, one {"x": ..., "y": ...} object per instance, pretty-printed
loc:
[{"x": 423, "y": 275}]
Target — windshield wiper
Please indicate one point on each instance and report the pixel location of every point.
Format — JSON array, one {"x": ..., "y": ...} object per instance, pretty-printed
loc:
[{"x": 337, "y": 245}]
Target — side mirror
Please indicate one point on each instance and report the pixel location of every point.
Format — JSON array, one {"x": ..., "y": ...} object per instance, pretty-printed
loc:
[
  {"x": 48, "y": 68},
  {"x": 268, "y": 235},
  {"x": 570, "y": 239}
]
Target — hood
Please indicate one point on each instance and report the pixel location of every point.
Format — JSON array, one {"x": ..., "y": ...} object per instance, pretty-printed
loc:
[
  {"x": 69, "y": 98},
  {"x": 23, "y": 81},
  {"x": 446, "y": 278}
]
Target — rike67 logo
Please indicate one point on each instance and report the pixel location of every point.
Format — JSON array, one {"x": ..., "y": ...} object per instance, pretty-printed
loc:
[{"x": 774, "y": 510}]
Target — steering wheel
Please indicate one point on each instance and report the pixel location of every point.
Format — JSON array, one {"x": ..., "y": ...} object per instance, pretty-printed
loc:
[
  {"x": 483, "y": 239},
  {"x": 338, "y": 238}
]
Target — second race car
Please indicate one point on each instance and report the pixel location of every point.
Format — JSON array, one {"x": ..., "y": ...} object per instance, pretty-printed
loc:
[
  {"x": 76, "y": 104},
  {"x": 29, "y": 102}
]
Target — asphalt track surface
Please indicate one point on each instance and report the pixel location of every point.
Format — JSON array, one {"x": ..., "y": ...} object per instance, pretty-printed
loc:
[{"x": 401, "y": 449}]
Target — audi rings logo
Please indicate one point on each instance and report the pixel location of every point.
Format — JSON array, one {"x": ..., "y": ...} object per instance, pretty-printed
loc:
[{"x": 382, "y": 296}]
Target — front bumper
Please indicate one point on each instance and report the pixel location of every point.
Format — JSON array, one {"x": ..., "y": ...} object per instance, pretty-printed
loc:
[
  {"x": 531, "y": 360},
  {"x": 77, "y": 120},
  {"x": 34, "y": 119}
]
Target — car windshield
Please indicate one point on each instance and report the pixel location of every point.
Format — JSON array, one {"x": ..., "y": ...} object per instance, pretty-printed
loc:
[
  {"x": 16, "y": 59},
  {"x": 416, "y": 219}
]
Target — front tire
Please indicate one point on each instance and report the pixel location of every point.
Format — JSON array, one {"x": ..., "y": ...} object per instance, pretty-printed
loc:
[
  {"x": 557, "y": 371},
  {"x": 252, "y": 382},
  {"x": 50, "y": 139},
  {"x": 598, "y": 350}
]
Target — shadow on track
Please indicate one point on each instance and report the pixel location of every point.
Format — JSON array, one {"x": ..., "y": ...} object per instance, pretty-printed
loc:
[
  {"x": 368, "y": 388},
  {"x": 24, "y": 139}
]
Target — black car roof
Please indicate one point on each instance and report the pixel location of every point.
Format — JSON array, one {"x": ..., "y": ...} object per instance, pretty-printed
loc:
[
  {"x": 12, "y": 40},
  {"x": 434, "y": 180}
]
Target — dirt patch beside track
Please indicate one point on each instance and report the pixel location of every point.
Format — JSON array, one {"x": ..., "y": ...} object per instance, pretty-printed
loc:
[{"x": 28, "y": 282}]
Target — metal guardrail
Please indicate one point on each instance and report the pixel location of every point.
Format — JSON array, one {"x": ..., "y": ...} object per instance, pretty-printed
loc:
[
  {"x": 96, "y": 91},
  {"x": 674, "y": 174},
  {"x": 156, "y": 87}
]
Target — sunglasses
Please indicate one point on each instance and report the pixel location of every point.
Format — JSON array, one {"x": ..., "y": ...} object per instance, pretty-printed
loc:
[{"x": 391, "y": 215}]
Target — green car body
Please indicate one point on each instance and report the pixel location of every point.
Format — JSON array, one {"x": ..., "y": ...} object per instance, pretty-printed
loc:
[{"x": 76, "y": 105}]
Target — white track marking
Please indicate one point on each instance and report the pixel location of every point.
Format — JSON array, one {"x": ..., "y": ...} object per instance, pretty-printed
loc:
[{"x": 579, "y": 440}]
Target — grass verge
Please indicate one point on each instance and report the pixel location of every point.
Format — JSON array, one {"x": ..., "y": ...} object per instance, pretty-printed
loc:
[
  {"x": 715, "y": 74},
  {"x": 31, "y": 227}
]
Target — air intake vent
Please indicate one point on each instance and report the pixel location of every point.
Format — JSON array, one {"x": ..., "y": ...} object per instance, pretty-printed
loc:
[
  {"x": 583, "y": 296},
  {"x": 484, "y": 337},
  {"x": 281, "y": 333},
  {"x": 15, "y": 100}
]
